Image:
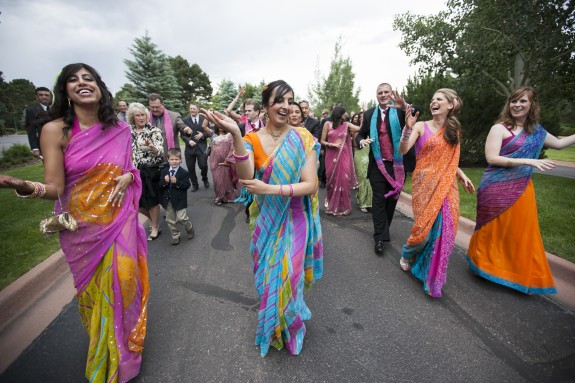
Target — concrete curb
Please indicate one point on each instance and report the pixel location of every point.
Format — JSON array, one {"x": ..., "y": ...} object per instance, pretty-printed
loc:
[
  {"x": 563, "y": 270},
  {"x": 32, "y": 302}
]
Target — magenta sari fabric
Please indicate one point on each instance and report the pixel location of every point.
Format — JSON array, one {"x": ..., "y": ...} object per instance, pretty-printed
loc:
[
  {"x": 340, "y": 171},
  {"x": 109, "y": 245},
  {"x": 223, "y": 176}
]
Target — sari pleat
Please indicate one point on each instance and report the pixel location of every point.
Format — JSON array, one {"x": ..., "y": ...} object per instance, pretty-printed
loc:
[{"x": 340, "y": 171}]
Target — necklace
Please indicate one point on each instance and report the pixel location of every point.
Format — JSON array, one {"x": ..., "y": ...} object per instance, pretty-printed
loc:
[
  {"x": 83, "y": 127},
  {"x": 274, "y": 136}
]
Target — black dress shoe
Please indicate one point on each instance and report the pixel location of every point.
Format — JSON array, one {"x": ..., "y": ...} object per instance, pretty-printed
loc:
[
  {"x": 194, "y": 189},
  {"x": 206, "y": 184},
  {"x": 379, "y": 248}
]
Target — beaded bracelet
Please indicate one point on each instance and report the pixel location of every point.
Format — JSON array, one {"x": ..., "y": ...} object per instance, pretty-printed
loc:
[
  {"x": 39, "y": 190},
  {"x": 290, "y": 190},
  {"x": 241, "y": 158}
]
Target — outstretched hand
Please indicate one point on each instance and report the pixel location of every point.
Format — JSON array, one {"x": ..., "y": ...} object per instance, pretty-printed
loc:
[
  {"x": 218, "y": 119},
  {"x": 398, "y": 100},
  {"x": 9, "y": 182},
  {"x": 541, "y": 164},
  {"x": 466, "y": 183}
]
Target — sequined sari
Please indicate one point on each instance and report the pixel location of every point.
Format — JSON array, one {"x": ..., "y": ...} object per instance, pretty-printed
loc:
[{"x": 108, "y": 254}]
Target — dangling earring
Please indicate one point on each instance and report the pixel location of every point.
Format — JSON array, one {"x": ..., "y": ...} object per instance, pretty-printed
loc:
[{"x": 69, "y": 103}]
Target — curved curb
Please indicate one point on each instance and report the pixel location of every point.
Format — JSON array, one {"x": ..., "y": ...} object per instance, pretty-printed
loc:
[{"x": 563, "y": 271}]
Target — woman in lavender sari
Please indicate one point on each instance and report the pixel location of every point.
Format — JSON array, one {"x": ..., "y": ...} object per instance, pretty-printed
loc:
[
  {"x": 339, "y": 167},
  {"x": 88, "y": 169},
  {"x": 221, "y": 165}
]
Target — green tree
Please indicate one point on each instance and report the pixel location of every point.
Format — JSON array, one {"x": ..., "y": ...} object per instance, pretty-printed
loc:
[
  {"x": 227, "y": 91},
  {"x": 150, "y": 72},
  {"x": 15, "y": 96},
  {"x": 194, "y": 82},
  {"x": 125, "y": 93},
  {"x": 502, "y": 44},
  {"x": 337, "y": 87}
]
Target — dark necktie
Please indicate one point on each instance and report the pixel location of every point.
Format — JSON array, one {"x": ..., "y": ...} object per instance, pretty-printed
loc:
[
  {"x": 172, "y": 172},
  {"x": 253, "y": 126}
]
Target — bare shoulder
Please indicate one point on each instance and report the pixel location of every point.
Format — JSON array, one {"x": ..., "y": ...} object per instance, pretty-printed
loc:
[{"x": 53, "y": 131}]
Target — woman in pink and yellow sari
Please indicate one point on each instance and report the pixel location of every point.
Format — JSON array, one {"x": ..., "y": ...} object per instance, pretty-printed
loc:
[
  {"x": 339, "y": 166},
  {"x": 278, "y": 165},
  {"x": 435, "y": 191},
  {"x": 506, "y": 247},
  {"x": 89, "y": 172}
]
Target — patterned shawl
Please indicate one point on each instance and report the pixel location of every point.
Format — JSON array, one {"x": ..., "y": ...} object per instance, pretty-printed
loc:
[
  {"x": 500, "y": 186},
  {"x": 399, "y": 173}
]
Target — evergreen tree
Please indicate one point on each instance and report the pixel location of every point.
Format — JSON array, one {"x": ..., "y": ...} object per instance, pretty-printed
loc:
[
  {"x": 194, "y": 82},
  {"x": 338, "y": 87},
  {"x": 15, "y": 96},
  {"x": 150, "y": 72},
  {"x": 125, "y": 93},
  {"x": 227, "y": 91}
]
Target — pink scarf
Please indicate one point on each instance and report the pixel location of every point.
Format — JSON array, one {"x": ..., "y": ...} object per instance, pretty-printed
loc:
[{"x": 168, "y": 128}]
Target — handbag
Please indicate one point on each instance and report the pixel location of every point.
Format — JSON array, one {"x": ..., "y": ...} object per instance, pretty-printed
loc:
[{"x": 56, "y": 223}]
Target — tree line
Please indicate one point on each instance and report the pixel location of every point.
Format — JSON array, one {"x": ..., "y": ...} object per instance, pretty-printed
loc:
[{"x": 482, "y": 48}]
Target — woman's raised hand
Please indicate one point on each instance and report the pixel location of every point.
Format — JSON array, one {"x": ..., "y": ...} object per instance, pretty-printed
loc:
[
  {"x": 398, "y": 100},
  {"x": 224, "y": 122},
  {"x": 409, "y": 119}
]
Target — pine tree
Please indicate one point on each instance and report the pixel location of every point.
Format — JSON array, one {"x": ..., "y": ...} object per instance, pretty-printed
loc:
[
  {"x": 338, "y": 87},
  {"x": 193, "y": 81},
  {"x": 227, "y": 90},
  {"x": 150, "y": 72}
]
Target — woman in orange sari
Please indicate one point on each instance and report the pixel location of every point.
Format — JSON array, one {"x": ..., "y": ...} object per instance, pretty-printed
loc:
[
  {"x": 435, "y": 191},
  {"x": 506, "y": 247}
]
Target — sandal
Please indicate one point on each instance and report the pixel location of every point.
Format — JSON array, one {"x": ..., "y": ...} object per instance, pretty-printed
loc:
[
  {"x": 404, "y": 264},
  {"x": 152, "y": 237}
]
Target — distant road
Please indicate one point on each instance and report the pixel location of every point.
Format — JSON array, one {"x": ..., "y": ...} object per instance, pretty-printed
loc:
[{"x": 8, "y": 141}]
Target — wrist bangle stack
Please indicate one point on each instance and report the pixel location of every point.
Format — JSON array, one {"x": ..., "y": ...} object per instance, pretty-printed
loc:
[
  {"x": 241, "y": 158},
  {"x": 39, "y": 190}
]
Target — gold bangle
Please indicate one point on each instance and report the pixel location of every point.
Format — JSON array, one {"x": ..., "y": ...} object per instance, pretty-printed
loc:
[{"x": 38, "y": 192}]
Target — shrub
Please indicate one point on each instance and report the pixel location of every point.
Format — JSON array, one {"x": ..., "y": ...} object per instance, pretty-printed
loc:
[{"x": 15, "y": 155}]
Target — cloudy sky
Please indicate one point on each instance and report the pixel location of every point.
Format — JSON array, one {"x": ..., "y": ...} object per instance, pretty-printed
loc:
[{"x": 243, "y": 41}]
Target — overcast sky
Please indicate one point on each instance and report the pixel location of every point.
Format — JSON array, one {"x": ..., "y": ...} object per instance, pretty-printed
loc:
[{"x": 243, "y": 41}]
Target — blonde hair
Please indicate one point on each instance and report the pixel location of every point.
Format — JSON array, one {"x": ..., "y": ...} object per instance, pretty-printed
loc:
[
  {"x": 452, "y": 125},
  {"x": 132, "y": 108}
]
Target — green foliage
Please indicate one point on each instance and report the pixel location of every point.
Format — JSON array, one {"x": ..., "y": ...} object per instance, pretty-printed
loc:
[
  {"x": 337, "y": 87},
  {"x": 194, "y": 82},
  {"x": 150, "y": 72},
  {"x": 125, "y": 93},
  {"x": 15, "y": 155},
  {"x": 22, "y": 246},
  {"x": 15, "y": 96},
  {"x": 227, "y": 91}
]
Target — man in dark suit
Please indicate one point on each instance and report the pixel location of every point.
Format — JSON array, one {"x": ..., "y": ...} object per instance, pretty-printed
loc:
[
  {"x": 379, "y": 176},
  {"x": 310, "y": 123},
  {"x": 252, "y": 113},
  {"x": 31, "y": 116},
  {"x": 196, "y": 146}
]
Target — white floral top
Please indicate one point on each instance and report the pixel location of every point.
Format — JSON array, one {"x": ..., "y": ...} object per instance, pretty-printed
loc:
[{"x": 142, "y": 154}]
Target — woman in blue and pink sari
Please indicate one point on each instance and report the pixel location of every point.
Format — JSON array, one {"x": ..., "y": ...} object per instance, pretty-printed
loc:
[
  {"x": 506, "y": 247},
  {"x": 339, "y": 166},
  {"x": 278, "y": 165},
  {"x": 88, "y": 170}
]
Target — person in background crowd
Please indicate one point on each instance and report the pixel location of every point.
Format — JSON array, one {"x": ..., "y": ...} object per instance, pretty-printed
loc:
[
  {"x": 170, "y": 123},
  {"x": 361, "y": 162},
  {"x": 196, "y": 147},
  {"x": 122, "y": 109},
  {"x": 33, "y": 115}
]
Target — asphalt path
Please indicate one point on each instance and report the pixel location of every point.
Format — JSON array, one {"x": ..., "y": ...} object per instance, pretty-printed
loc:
[{"x": 371, "y": 321}]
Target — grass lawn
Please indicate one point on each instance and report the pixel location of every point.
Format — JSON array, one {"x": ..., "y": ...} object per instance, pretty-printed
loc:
[
  {"x": 22, "y": 246},
  {"x": 555, "y": 205},
  {"x": 565, "y": 154}
]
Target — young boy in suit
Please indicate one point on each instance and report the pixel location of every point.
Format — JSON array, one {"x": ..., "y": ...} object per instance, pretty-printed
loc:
[{"x": 175, "y": 181}]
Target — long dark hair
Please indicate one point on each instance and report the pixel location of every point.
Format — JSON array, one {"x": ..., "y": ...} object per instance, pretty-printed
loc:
[
  {"x": 283, "y": 88},
  {"x": 61, "y": 108},
  {"x": 337, "y": 116}
]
